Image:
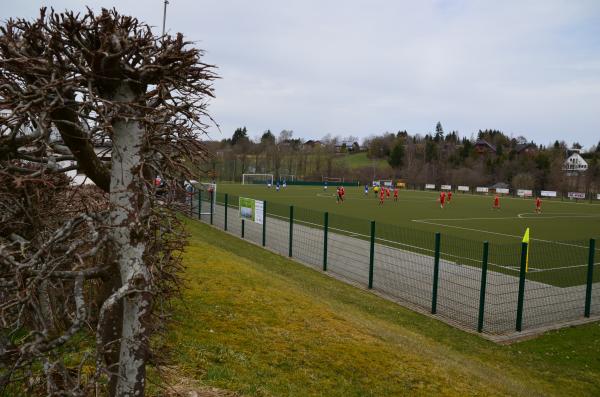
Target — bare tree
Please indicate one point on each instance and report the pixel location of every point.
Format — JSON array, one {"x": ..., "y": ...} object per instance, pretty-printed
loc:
[{"x": 103, "y": 259}]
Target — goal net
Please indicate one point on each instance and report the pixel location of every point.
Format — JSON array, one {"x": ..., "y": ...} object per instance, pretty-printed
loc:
[
  {"x": 287, "y": 177},
  {"x": 248, "y": 179}
]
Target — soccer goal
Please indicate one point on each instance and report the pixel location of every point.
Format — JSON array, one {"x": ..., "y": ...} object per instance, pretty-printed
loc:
[
  {"x": 208, "y": 194},
  {"x": 287, "y": 177},
  {"x": 249, "y": 179}
]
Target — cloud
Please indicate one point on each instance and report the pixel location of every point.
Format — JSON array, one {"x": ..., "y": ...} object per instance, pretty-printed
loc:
[{"x": 363, "y": 67}]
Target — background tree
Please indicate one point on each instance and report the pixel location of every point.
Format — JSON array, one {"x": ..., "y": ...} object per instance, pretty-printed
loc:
[
  {"x": 397, "y": 156},
  {"x": 105, "y": 258}
]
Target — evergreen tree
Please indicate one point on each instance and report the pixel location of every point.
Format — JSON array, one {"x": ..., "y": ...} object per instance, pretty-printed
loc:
[
  {"x": 396, "y": 156},
  {"x": 439, "y": 132},
  {"x": 239, "y": 135},
  {"x": 267, "y": 138}
]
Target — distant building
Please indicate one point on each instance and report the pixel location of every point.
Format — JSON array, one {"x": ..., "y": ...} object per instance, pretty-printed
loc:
[
  {"x": 483, "y": 147},
  {"x": 526, "y": 148},
  {"x": 349, "y": 146},
  {"x": 574, "y": 163},
  {"x": 313, "y": 143}
]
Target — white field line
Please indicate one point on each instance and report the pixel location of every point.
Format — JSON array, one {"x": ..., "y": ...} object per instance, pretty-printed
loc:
[{"x": 496, "y": 233}]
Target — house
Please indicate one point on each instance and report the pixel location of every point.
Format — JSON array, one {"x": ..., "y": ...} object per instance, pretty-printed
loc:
[
  {"x": 575, "y": 163},
  {"x": 483, "y": 147},
  {"x": 348, "y": 146},
  {"x": 313, "y": 143},
  {"x": 529, "y": 149}
]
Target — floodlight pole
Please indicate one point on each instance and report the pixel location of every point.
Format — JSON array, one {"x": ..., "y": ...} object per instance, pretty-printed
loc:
[{"x": 165, "y": 16}]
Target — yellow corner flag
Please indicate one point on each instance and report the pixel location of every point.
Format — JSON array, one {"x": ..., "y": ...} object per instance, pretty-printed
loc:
[{"x": 526, "y": 240}]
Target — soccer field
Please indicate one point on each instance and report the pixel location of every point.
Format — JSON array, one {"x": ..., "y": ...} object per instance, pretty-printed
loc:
[
  {"x": 559, "y": 236},
  {"x": 467, "y": 216}
]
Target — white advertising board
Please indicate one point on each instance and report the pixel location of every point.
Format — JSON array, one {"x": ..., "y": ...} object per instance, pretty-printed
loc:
[
  {"x": 482, "y": 189},
  {"x": 576, "y": 195},
  {"x": 502, "y": 190},
  {"x": 463, "y": 188},
  {"x": 446, "y": 187},
  {"x": 548, "y": 193},
  {"x": 429, "y": 186},
  {"x": 524, "y": 193}
]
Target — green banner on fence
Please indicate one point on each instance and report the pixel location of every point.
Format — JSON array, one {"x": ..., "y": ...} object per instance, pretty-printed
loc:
[{"x": 251, "y": 209}]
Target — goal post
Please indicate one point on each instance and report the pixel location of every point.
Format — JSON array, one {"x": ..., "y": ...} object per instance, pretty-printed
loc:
[
  {"x": 248, "y": 179},
  {"x": 287, "y": 177}
]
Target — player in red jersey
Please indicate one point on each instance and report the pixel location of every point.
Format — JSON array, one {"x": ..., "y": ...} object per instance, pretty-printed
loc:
[
  {"x": 496, "y": 202},
  {"x": 449, "y": 197},
  {"x": 395, "y": 194},
  {"x": 387, "y": 192},
  {"x": 442, "y": 199},
  {"x": 381, "y": 196},
  {"x": 538, "y": 205}
]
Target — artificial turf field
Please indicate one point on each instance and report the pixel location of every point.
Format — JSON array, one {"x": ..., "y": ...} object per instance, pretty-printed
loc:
[
  {"x": 559, "y": 235},
  {"x": 468, "y": 216}
]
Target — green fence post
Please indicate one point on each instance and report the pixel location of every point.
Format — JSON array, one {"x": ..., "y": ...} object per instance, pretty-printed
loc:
[
  {"x": 590, "y": 276},
  {"x": 372, "y": 255},
  {"x": 521, "y": 296},
  {"x": 436, "y": 272},
  {"x": 325, "y": 231},
  {"x": 291, "y": 230},
  {"x": 264, "y": 236},
  {"x": 243, "y": 224},
  {"x": 199, "y": 204},
  {"x": 226, "y": 204},
  {"x": 484, "y": 266},
  {"x": 212, "y": 206}
]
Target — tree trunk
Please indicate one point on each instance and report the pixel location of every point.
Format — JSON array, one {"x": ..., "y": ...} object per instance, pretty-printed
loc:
[{"x": 129, "y": 207}]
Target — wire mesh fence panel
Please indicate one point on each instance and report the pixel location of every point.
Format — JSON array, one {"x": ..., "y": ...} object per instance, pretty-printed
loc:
[
  {"x": 278, "y": 228},
  {"x": 307, "y": 243},
  {"x": 219, "y": 211},
  {"x": 502, "y": 288},
  {"x": 556, "y": 282},
  {"x": 403, "y": 265},
  {"x": 459, "y": 280},
  {"x": 234, "y": 221},
  {"x": 348, "y": 251}
]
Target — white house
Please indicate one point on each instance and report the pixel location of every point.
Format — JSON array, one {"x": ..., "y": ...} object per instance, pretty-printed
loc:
[{"x": 575, "y": 163}]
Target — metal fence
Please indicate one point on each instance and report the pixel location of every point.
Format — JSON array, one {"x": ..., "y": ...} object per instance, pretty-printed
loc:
[{"x": 497, "y": 289}]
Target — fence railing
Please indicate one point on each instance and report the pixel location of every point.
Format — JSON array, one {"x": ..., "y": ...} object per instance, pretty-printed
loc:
[{"x": 492, "y": 288}]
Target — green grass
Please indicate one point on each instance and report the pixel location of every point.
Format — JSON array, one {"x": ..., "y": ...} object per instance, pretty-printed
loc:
[
  {"x": 360, "y": 160},
  {"x": 560, "y": 235},
  {"x": 262, "y": 325}
]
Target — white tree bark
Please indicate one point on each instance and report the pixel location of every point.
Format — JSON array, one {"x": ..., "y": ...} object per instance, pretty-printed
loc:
[{"x": 127, "y": 211}]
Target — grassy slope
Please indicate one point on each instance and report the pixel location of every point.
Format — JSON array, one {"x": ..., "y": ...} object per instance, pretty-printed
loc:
[
  {"x": 360, "y": 159},
  {"x": 257, "y": 323}
]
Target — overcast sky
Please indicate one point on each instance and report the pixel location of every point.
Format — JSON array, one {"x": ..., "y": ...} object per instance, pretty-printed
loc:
[{"x": 365, "y": 67}]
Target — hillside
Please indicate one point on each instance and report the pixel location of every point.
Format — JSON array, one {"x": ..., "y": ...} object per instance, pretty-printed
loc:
[{"x": 260, "y": 325}]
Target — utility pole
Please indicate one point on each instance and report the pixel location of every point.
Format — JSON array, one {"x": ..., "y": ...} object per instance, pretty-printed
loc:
[{"x": 165, "y": 16}]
